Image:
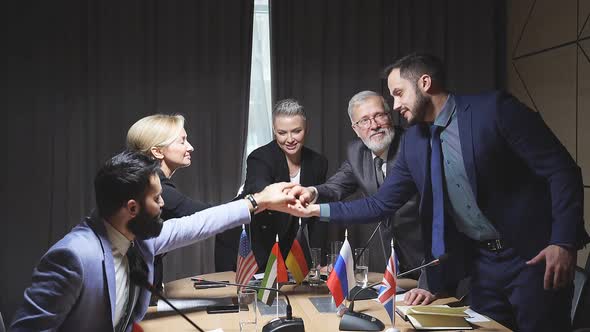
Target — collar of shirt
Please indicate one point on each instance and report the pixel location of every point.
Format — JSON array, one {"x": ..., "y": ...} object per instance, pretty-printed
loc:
[
  {"x": 383, "y": 156},
  {"x": 446, "y": 114},
  {"x": 120, "y": 244}
]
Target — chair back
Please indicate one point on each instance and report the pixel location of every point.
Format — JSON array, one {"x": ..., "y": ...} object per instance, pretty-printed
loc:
[
  {"x": 581, "y": 300},
  {"x": 2, "y": 328}
]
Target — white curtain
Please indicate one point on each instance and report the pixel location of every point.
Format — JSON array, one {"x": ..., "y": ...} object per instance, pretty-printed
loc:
[{"x": 259, "y": 118}]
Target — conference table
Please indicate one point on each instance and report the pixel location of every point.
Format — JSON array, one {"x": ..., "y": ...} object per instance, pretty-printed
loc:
[{"x": 299, "y": 296}]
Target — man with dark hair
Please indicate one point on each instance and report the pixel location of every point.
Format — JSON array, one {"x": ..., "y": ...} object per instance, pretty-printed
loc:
[
  {"x": 495, "y": 183},
  {"x": 82, "y": 283}
]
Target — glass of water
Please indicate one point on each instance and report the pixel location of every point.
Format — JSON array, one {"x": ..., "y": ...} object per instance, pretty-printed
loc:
[
  {"x": 314, "y": 273},
  {"x": 248, "y": 309},
  {"x": 361, "y": 270}
]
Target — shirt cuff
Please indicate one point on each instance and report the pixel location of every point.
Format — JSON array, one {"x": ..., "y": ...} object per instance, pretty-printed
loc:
[
  {"x": 325, "y": 212},
  {"x": 316, "y": 194}
]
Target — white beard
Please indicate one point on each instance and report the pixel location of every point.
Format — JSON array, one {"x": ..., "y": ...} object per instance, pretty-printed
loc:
[{"x": 383, "y": 143}]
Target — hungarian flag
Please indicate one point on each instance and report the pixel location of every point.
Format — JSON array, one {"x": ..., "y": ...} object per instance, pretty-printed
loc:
[
  {"x": 341, "y": 279},
  {"x": 388, "y": 286},
  {"x": 246, "y": 266},
  {"x": 299, "y": 258},
  {"x": 275, "y": 272}
]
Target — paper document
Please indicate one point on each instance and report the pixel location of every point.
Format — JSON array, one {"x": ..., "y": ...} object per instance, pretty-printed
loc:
[
  {"x": 185, "y": 304},
  {"x": 435, "y": 317},
  {"x": 475, "y": 317}
]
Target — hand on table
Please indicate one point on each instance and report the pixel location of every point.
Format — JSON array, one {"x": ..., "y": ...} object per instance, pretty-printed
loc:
[{"x": 418, "y": 296}]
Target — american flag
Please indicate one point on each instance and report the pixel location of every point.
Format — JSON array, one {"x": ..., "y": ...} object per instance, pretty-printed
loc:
[
  {"x": 246, "y": 266},
  {"x": 388, "y": 285}
]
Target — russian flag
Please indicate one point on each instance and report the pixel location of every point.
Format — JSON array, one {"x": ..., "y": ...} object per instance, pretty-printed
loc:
[{"x": 341, "y": 279}]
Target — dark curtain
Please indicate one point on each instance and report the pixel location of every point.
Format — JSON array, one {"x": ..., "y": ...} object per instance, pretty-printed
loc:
[
  {"x": 323, "y": 52},
  {"x": 77, "y": 74}
]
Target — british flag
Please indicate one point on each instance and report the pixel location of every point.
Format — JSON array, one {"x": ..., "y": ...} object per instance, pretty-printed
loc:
[
  {"x": 246, "y": 266},
  {"x": 388, "y": 285}
]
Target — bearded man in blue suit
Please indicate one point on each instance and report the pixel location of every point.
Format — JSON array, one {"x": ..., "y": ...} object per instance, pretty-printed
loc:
[
  {"x": 83, "y": 281},
  {"x": 497, "y": 189}
]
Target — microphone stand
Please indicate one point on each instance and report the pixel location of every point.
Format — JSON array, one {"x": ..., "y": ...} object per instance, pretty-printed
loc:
[
  {"x": 357, "y": 321},
  {"x": 279, "y": 324},
  {"x": 139, "y": 279}
]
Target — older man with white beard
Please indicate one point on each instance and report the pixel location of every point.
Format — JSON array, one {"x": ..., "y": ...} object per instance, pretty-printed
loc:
[{"x": 369, "y": 158}]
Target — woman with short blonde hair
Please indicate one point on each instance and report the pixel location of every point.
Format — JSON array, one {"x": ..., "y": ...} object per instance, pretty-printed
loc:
[{"x": 163, "y": 137}]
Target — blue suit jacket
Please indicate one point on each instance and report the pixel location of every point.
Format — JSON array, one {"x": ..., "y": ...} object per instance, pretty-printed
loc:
[
  {"x": 73, "y": 286},
  {"x": 525, "y": 181}
]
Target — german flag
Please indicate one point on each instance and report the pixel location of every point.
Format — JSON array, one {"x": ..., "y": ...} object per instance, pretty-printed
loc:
[{"x": 299, "y": 258}]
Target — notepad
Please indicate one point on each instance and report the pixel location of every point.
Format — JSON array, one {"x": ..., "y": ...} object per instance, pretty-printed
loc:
[{"x": 435, "y": 317}]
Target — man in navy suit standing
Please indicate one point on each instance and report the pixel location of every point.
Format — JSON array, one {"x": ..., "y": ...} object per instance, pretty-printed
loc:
[{"x": 497, "y": 188}]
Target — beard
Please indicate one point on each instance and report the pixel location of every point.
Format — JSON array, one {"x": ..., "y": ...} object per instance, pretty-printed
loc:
[
  {"x": 419, "y": 108},
  {"x": 383, "y": 143},
  {"x": 145, "y": 226}
]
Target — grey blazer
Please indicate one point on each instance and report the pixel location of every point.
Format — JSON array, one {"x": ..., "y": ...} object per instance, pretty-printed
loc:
[
  {"x": 73, "y": 286},
  {"x": 357, "y": 175}
]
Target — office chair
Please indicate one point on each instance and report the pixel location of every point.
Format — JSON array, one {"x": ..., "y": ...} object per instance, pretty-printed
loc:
[
  {"x": 581, "y": 300},
  {"x": 2, "y": 328}
]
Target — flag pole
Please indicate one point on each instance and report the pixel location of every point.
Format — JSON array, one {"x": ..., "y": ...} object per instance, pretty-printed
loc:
[
  {"x": 278, "y": 285},
  {"x": 393, "y": 328}
]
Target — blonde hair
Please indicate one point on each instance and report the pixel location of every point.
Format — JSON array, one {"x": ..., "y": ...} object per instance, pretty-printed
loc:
[{"x": 158, "y": 130}]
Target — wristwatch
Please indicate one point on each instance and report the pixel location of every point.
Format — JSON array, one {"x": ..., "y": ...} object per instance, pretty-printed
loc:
[{"x": 250, "y": 197}]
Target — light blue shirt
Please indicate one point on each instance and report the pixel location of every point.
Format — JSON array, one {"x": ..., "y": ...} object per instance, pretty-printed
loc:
[{"x": 463, "y": 206}]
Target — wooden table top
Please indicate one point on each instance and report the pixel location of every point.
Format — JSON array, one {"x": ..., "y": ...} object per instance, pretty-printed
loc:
[{"x": 298, "y": 295}]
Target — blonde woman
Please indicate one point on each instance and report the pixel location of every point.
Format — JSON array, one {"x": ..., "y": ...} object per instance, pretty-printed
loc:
[{"x": 163, "y": 137}]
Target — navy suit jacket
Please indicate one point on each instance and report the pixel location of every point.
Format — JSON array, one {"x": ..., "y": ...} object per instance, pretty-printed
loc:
[
  {"x": 525, "y": 181},
  {"x": 73, "y": 286}
]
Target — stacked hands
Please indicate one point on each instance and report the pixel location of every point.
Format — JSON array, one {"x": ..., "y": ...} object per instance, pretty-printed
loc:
[
  {"x": 298, "y": 201},
  {"x": 289, "y": 198}
]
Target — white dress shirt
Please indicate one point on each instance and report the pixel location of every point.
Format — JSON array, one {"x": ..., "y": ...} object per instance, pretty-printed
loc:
[{"x": 119, "y": 246}]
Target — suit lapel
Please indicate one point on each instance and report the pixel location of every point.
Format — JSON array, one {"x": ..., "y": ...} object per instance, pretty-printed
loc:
[
  {"x": 305, "y": 178},
  {"x": 393, "y": 147},
  {"x": 108, "y": 265},
  {"x": 282, "y": 166},
  {"x": 464, "y": 116}
]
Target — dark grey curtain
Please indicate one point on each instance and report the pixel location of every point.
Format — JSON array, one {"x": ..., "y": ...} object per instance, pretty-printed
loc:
[
  {"x": 323, "y": 52},
  {"x": 77, "y": 74}
]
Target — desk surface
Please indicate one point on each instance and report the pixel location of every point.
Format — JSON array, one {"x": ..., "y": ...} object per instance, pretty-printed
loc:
[{"x": 302, "y": 307}]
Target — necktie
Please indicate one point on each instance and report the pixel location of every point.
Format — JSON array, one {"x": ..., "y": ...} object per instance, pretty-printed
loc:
[
  {"x": 438, "y": 209},
  {"x": 379, "y": 171},
  {"x": 136, "y": 265}
]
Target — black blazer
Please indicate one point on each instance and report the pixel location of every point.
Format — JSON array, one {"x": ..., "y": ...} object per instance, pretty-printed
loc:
[
  {"x": 176, "y": 204},
  {"x": 267, "y": 165}
]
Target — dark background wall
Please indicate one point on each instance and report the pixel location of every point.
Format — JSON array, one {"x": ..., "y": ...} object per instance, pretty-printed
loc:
[
  {"x": 548, "y": 56},
  {"x": 76, "y": 75}
]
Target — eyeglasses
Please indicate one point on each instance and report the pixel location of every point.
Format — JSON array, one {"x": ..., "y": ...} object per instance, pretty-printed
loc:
[{"x": 379, "y": 118}]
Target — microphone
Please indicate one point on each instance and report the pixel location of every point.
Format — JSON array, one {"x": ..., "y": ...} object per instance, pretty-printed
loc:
[
  {"x": 355, "y": 321},
  {"x": 279, "y": 324},
  {"x": 370, "y": 293},
  {"x": 441, "y": 259},
  {"x": 140, "y": 278}
]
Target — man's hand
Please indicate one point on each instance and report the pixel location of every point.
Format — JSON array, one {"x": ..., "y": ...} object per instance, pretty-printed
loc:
[
  {"x": 298, "y": 210},
  {"x": 305, "y": 195},
  {"x": 559, "y": 266},
  {"x": 418, "y": 296},
  {"x": 275, "y": 196}
]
